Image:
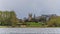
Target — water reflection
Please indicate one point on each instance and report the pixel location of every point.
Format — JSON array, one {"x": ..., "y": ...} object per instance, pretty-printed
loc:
[{"x": 29, "y": 30}]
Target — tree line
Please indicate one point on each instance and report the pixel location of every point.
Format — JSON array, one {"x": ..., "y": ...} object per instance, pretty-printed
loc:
[{"x": 8, "y": 18}]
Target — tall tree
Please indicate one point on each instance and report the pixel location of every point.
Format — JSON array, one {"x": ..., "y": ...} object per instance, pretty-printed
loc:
[{"x": 13, "y": 18}]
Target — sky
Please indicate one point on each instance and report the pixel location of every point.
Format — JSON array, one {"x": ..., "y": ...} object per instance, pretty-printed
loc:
[{"x": 38, "y": 7}]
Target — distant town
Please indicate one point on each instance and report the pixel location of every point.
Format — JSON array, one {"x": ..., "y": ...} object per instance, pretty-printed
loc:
[{"x": 9, "y": 19}]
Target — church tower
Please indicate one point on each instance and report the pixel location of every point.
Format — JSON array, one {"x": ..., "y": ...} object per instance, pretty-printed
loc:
[{"x": 30, "y": 17}]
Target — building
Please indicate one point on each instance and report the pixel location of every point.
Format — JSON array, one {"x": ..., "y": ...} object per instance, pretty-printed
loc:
[{"x": 30, "y": 17}]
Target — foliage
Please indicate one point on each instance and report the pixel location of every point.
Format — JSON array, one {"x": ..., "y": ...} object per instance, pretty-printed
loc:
[
  {"x": 34, "y": 24},
  {"x": 8, "y": 18},
  {"x": 54, "y": 22}
]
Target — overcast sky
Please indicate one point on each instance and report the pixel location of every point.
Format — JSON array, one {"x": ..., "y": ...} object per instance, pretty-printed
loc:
[{"x": 38, "y": 7}]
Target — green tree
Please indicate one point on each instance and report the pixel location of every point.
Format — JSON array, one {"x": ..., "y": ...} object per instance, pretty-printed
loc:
[
  {"x": 54, "y": 22},
  {"x": 13, "y": 18},
  {"x": 8, "y": 18}
]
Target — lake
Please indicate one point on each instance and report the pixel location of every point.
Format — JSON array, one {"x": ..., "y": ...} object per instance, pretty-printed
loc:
[{"x": 29, "y": 30}]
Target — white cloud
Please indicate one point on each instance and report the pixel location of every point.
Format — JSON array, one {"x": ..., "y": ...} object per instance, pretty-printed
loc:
[{"x": 23, "y": 7}]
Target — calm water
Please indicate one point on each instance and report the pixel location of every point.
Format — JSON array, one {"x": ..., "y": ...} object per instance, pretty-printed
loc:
[{"x": 29, "y": 30}]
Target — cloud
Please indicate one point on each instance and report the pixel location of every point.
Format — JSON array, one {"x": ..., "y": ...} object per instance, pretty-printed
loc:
[{"x": 23, "y": 7}]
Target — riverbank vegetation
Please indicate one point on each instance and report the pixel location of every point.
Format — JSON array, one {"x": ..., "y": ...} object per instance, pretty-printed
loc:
[{"x": 9, "y": 19}]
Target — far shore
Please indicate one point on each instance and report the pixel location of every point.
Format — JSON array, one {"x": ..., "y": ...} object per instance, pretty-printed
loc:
[{"x": 26, "y": 27}]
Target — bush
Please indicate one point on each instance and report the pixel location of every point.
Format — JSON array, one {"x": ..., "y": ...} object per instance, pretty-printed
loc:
[{"x": 33, "y": 24}]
